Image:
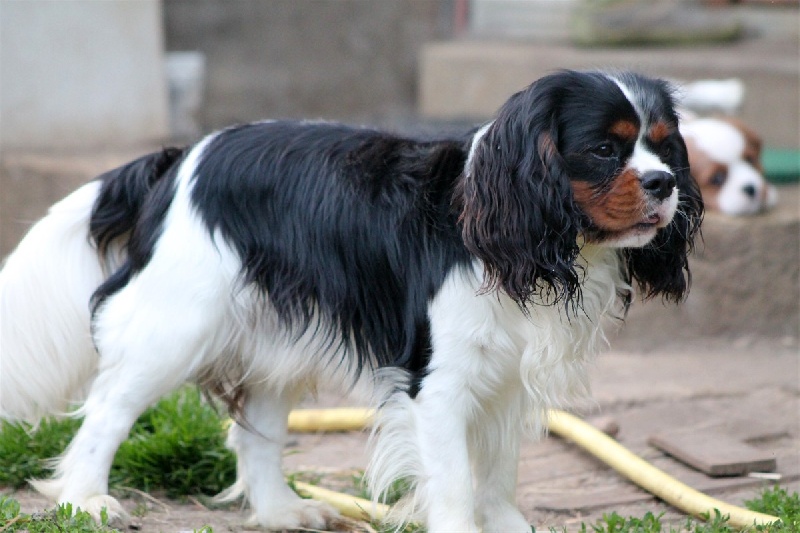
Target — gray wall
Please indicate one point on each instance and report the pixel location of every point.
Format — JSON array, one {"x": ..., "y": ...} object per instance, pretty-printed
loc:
[
  {"x": 81, "y": 73},
  {"x": 333, "y": 59}
]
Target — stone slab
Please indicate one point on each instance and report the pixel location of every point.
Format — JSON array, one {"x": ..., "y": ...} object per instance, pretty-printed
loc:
[{"x": 714, "y": 452}]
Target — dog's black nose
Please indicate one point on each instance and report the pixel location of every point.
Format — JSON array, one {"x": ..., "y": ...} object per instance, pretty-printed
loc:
[
  {"x": 658, "y": 183},
  {"x": 749, "y": 191}
]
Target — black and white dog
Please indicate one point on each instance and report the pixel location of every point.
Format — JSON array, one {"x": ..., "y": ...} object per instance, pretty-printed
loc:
[{"x": 464, "y": 280}]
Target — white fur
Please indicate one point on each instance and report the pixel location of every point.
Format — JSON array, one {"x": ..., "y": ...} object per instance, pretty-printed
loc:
[
  {"x": 46, "y": 353},
  {"x": 716, "y": 137},
  {"x": 643, "y": 160},
  {"x": 130, "y": 334},
  {"x": 713, "y": 95},
  {"x": 494, "y": 372}
]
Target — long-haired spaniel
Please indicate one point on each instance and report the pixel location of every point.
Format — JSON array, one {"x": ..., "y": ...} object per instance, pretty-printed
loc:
[{"x": 463, "y": 280}]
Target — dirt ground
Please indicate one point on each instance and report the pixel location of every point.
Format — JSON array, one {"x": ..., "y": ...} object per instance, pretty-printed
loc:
[{"x": 748, "y": 388}]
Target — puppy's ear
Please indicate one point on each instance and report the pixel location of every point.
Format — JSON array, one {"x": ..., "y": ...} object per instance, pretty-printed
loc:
[
  {"x": 662, "y": 267},
  {"x": 518, "y": 214}
]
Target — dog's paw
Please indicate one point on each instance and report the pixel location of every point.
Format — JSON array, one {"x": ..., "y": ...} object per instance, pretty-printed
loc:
[
  {"x": 54, "y": 489},
  {"x": 115, "y": 515},
  {"x": 296, "y": 514},
  {"x": 505, "y": 519}
]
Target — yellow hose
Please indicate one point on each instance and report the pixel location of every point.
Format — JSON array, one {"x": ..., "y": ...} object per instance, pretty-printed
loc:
[
  {"x": 646, "y": 475},
  {"x": 330, "y": 420},
  {"x": 563, "y": 424},
  {"x": 349, "y": 506}
]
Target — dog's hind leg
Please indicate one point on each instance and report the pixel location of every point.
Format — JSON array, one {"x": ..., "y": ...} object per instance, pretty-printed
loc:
[
  {"x": 259, "y": 449},
  {"x": 153, "y": 335},
  {"x": 145, "y": 353}
]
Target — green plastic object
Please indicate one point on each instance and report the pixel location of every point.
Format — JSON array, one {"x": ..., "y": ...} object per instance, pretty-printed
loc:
[{"x": 781, "y": 165}]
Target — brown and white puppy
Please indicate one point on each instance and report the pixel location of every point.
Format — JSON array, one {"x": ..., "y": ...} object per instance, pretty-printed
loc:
[{"x": 725, "y": 159}]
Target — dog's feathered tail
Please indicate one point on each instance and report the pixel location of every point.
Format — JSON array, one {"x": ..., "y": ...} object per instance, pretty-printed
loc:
[{"x": 47, "y": 358}]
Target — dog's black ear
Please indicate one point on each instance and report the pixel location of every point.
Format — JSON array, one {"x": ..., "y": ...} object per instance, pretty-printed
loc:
[
  {"x": 518, "y": 215},
  {"x": 662, "y": 267}
]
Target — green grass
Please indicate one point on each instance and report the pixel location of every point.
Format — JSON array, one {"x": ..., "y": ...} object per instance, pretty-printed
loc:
[
  {"x": 773, "y": 501},
  {"x": 178, "y": 446},
  {"x": 58, "y": 520},
  {"x": 778, "y": 502},
  {"x": 24, "y": 453}
]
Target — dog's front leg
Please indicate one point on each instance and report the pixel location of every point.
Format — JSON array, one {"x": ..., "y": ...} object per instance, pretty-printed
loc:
[
  {"x": 445, "y": 490},
  {"x": 494, "y": 451}
]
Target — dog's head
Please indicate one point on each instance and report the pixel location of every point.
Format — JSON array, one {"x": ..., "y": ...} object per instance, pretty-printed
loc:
[
  {"x": 581, "y": 157},
  {"x": 725, "y": 159}
]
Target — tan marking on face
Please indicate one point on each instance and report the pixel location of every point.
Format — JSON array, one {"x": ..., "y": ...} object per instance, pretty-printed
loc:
[
  {"x": 659, "y": 131},
  {"x": 617, "y": 207},
  {"x": 703, "y": 169},
  {"x": 625, "y": 129}
]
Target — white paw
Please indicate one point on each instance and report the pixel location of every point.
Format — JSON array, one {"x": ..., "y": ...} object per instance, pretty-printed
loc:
[
  {"x": 505, "y": 519},
  {"x": 94, "y": 505},
  {"x": 296, "y": 514}
]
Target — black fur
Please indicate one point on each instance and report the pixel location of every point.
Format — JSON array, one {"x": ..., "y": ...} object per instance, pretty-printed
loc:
[
  {"x": 352, "y": 224},
  {"x": 519, "y": 215},
  {"x": 126, "y": 210}
]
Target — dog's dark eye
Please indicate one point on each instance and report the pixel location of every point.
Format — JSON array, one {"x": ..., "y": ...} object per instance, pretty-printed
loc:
[
  {"x": 718, "y": 178},
  {"x": 666, "y": 150},
  {"x": 603, "y": 150}
]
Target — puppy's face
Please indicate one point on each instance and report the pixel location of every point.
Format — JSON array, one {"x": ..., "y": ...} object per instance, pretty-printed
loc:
[
  {"x": 624, "y": 156},
  {"x": 724, "y": 156}
]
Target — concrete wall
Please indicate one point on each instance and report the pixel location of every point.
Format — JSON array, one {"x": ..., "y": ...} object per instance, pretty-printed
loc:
[
  {"x": 335, "y": 59},
  {"x": 81, "y": 73}
]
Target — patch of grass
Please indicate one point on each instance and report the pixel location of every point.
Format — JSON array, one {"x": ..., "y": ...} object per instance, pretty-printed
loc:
[
  {"x": 177, "y": 446},
  {"x": 24, "y": 453},
  {"x": 775, "y": 501},
  {"x": 57, "y": 520},
  {"x": 614, "y": 523},
  {"x": 778, "y": 502},
  {"x": 394, "y": 493}
]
